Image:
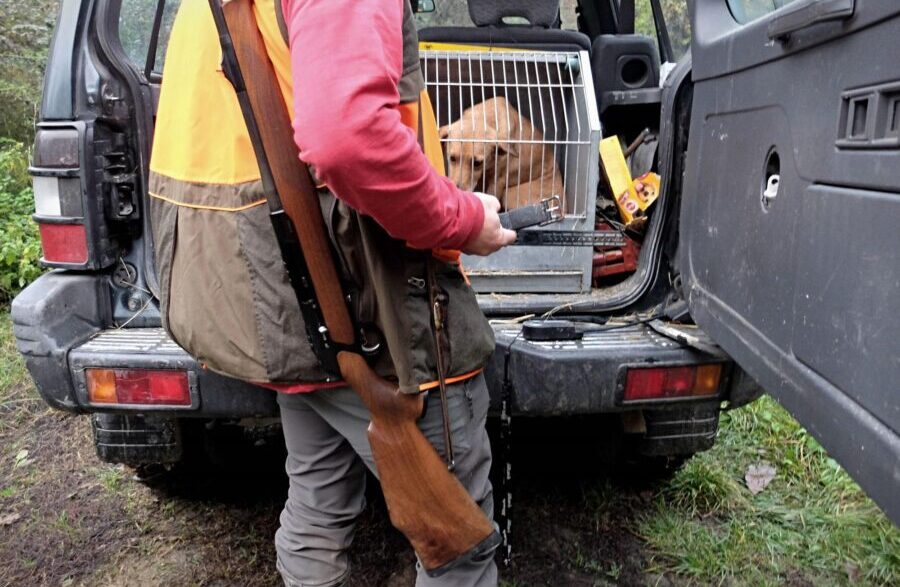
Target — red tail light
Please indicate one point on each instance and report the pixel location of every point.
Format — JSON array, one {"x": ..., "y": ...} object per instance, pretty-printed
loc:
[
  {"x": 64, "y": 243},
  {"x": 138, "y": 387},
  {"x": 652, "y": 383},
  {"x": 69, "y": 237}
]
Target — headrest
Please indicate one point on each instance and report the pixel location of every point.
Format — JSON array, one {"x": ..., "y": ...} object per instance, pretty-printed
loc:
[{"x": 539, "y": 13}]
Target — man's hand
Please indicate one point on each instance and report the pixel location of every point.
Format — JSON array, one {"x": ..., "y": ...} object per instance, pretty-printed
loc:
[{"x": 492, "y": 237}]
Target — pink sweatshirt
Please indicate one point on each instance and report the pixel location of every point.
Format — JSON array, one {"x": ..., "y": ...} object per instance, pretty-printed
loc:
[
  {"x": 346, "y": 58},
  {"x": 346, "y": 61}
]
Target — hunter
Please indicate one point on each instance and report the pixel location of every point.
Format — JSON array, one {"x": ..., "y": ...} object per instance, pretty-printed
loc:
[{"x": 349, "y": 73}]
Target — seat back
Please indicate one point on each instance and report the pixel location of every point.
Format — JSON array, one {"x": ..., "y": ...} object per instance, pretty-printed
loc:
[{"x": 541, "y": 32}]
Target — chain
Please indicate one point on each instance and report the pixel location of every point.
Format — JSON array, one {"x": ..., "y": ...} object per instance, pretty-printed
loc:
[{"x": 505, "y": 517}]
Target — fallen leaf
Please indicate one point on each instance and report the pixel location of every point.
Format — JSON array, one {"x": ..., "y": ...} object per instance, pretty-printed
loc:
[
  {"x": 9, "y": 519},
  {"x": 21, "y": 459},
  {"x": 759, "y": 476}
]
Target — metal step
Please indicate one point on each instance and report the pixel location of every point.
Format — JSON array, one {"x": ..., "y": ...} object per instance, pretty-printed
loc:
[{"x": 132, "y": 341}]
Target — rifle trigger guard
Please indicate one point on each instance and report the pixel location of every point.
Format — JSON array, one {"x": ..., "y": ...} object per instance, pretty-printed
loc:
[{"x": 369, "y": 349}]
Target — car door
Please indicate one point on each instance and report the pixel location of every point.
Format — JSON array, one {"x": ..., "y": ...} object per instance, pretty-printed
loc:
[{"x": 790, "y": 242}]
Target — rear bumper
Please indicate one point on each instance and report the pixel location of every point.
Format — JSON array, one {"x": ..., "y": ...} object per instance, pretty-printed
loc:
[{"x": 56, "y": 320}]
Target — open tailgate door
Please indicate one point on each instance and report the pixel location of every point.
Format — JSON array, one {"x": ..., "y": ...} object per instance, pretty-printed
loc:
[{"x": 790, "y": 225}]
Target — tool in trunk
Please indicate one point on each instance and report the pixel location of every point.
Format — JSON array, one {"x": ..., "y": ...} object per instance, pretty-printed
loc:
[{"x": 425, "y": 501}]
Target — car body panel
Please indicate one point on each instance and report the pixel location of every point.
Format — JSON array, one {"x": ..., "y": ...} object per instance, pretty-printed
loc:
[{"x": 801, "y": 287}]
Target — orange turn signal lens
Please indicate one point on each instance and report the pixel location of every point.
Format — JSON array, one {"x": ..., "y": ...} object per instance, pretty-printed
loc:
[
  {"x": 707, "y": 380},
  {"x": 101, "y": 384}
]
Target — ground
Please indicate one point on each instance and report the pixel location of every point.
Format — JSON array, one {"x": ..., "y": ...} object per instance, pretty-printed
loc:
[{"x": 68, "y": 519}]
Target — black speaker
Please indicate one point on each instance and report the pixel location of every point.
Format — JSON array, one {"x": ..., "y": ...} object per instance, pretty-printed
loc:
[{"x": 624, "y": 62}]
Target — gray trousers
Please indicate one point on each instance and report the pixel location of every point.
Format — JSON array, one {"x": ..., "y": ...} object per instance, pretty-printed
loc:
[{"x": 328, "y": 450}]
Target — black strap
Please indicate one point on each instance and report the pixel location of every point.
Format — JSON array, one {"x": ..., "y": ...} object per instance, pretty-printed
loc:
[
  {"x": 282, "y": 24},
  {"x": 436, "y": 299},
  {"x": 626, "y": 17},
  {"x": 150, "y": 64},
  {"x": 662, "y": 32}
]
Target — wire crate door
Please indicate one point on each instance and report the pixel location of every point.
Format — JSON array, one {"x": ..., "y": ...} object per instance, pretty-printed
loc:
[{"x": 523, "y": 126}]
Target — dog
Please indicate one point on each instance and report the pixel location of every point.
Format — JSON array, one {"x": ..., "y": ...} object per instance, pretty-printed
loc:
[{"x": 483, "y": 152}]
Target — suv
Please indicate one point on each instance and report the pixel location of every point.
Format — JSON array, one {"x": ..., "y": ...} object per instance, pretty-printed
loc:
[{"x": 774, "y": 234}]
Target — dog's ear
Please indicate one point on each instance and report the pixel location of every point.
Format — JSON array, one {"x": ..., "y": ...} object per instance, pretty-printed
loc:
[{"x": 511, "y": 149}]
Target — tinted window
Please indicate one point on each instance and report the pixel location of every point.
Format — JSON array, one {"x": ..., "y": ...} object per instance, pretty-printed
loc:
[
  {"x": 747, "y": 10},
  {"x": 136, "y": 29}
]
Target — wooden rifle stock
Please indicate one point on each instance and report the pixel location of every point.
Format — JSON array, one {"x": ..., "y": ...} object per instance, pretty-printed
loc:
[{"x": 425, "y": 501}]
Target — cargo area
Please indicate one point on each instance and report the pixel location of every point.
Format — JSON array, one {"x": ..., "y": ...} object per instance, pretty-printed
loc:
[{"x": 531, "y": 110}]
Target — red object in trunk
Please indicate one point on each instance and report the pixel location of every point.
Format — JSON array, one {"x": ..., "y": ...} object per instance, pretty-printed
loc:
[{"x": 616, "y": 260}]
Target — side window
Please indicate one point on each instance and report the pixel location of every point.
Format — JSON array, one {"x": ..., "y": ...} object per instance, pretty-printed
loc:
[
  {"x": 747, "y": 10},
  {"x": 678, "y": 23},
  {"x": 137, "y": 21}
]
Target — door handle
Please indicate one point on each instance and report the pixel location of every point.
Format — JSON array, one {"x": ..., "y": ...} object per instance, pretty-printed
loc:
[{"x": 806, "y": 13}]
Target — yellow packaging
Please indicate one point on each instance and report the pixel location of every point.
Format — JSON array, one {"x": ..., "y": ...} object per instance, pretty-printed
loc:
[{"x": 633, "y": 197}]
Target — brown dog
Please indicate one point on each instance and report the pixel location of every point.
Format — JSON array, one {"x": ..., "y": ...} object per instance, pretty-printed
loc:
[{"x": 493, "y": 149}]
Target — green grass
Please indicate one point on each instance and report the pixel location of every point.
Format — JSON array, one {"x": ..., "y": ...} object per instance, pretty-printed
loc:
[
  {"x": 812, "y": 521},
  {"x": 17, "y": 400},
  {"x": 12, "y": 367}
]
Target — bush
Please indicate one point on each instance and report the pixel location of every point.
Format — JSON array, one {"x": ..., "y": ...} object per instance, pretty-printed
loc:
[
  {"x": 20, "y": 247},
  {"x": 25, "y": 29}
]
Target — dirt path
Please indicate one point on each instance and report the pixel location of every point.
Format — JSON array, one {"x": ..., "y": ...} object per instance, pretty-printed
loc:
[{"x": 68, "y": 519}]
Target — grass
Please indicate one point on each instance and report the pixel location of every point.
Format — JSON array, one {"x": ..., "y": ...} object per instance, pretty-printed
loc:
[
  {"x": 18, "y": 401},
  {"x": 812, "y": 521},
  {"x": 12, "y": 367}
]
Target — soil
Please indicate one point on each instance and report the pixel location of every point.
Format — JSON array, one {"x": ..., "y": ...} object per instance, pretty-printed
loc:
[{"x": 78, "y": 521}]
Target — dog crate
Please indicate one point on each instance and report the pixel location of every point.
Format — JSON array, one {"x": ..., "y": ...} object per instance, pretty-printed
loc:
[{"x": 522, "y": 125}]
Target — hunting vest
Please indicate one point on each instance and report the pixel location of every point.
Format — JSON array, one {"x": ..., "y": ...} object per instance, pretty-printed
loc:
[{"x": 224, "y": 293}]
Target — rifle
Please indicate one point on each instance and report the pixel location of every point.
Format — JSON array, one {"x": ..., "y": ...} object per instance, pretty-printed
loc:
[{"x": 425, "y": 501}]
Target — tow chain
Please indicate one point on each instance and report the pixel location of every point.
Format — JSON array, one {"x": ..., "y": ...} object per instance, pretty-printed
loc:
[{"x": 505, "y": 517}]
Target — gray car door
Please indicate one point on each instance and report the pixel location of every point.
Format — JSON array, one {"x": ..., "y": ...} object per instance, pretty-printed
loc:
[{"x": 790, "y": 225}]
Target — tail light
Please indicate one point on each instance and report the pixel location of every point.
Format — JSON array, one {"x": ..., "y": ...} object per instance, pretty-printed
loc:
[
  {"x": 58, "y": 201},
  {"x": 144, "y": 387},
  {"x": 659, "y": 383},
  {"x": 64, "y": 243}
]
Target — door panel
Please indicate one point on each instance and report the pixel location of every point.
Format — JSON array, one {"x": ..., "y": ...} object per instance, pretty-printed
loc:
[{"x": 803, "y": 287}]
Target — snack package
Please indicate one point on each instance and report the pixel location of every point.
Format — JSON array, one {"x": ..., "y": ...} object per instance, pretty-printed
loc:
[
  {"x": 646, "y": 190},
  {"x": 633, "y": 196}
]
